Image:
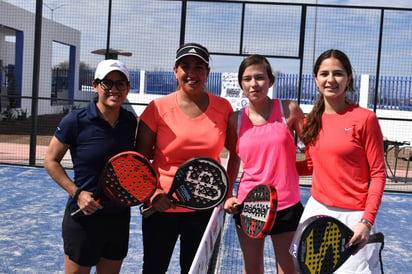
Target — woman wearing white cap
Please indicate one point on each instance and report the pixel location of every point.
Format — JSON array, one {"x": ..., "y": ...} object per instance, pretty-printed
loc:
[
  {"x": 100, "y": 236},
  {"x": 187, "y": 123}
]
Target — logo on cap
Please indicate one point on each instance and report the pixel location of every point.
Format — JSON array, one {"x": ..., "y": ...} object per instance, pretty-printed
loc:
[{"x": 193, "y": 50}]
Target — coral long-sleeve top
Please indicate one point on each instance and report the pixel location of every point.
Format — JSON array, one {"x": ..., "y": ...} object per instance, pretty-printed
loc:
[{"x": 348, "y": 161}]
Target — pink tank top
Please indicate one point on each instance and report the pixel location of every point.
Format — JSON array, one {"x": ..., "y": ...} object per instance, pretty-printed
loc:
[{"x": 268, "y": 155}]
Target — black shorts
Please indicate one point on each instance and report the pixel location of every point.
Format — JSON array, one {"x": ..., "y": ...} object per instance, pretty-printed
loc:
[
  {"x": 287, "y": 220},
  {"x": 87, "y": 240},
  {"x": 160, "y": 233}
]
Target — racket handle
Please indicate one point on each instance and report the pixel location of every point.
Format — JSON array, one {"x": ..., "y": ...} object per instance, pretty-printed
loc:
[
  {"x": 76, "y": 213},
  {"x": 79, "y": 211},
  {"x": 238, "y": 207},
  {"x": 148, "y": 211},
  {"x": 376, "y": 238},
  {"x": 373, "y": 238}
]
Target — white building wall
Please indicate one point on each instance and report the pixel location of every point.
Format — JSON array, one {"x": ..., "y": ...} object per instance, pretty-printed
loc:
[{"x": 19, "y": 19}]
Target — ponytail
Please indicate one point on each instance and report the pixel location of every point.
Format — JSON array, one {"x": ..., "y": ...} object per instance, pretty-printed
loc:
[{"x": 313, "y": 123}]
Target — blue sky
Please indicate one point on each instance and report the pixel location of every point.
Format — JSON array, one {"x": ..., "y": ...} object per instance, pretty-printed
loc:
[{"x": 138, "y": 29}]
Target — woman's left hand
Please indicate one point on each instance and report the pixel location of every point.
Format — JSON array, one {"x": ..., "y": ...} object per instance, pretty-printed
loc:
[{"x": 360, "y": 236}]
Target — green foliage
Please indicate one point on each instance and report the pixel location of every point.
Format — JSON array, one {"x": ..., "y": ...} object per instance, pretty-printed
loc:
[
  {"x": 11, "y": 114},
  {"x": 67, "y": 109}
]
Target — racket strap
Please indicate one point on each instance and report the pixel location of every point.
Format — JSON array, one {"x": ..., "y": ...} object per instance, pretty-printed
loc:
[
  {"x": 379, "y": 238},
  {"x": 380, "y": 257}
]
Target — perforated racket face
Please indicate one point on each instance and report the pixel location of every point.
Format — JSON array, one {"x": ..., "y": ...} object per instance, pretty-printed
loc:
[
  {"x": 259, "y": 211},
  {"x": 199, "y": 183},
  {"x": 322, "y": 245},
  {"x": 129, "y": 179}
]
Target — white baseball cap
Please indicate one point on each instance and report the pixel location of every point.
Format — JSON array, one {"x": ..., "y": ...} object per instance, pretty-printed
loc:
[{"x": 107, "y": 66}]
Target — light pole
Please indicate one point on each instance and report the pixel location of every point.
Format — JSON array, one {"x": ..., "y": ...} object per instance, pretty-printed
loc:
[
  {"x": 53, "y": 9},
  {"x": 109, "y": 20}
]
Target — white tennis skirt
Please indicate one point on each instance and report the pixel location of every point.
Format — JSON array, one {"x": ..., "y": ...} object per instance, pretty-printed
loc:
[{"x": 366, "y": 261}]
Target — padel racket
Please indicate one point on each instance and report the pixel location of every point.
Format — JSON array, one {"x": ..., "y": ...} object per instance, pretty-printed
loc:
[
  {"x": 128, "y": 179},
  {"x": 258, "y": 211},
  {"x": 200, "y": 183},
  {"x": 319, "y": 245}
]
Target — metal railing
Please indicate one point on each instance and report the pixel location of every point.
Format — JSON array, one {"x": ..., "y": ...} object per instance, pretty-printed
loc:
[{"x": 394, "y": 92}]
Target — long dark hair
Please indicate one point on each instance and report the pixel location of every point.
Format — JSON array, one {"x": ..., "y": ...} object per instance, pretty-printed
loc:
[{"x": 313, "y": 124}]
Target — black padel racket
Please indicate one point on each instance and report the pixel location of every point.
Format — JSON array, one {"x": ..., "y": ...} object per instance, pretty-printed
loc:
[
  {"x": 319, "y": 245},
  {"x": 258, "y": 211},
  {"x": 200, "y": 183},
  {"x": 128, "y": 179}
]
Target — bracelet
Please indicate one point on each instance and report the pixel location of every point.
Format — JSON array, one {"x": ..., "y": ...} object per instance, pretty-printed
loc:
[
  {"x": 367, "y": 223},
  {"x": 77, "y": 193}
]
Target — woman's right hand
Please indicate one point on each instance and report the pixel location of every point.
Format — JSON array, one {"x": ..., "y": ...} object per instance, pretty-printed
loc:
[
  {"x": 87, "y": 203},
  {"x": 230, "y": 205},
  {"x": 160, "y": 201}
]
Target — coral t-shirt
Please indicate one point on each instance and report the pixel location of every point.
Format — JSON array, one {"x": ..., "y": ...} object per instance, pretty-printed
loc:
[{"x": 180, "y": 137}]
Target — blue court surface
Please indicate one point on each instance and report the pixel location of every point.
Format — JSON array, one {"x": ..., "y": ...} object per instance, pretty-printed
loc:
[{"x": 31, "y": 209}]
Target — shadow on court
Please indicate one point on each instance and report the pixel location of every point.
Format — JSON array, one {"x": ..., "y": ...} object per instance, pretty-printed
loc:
[{"x": 31, "y": 209}]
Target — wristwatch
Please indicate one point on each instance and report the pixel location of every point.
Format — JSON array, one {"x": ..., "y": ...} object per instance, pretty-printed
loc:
[{"x": 367, "y": 223}]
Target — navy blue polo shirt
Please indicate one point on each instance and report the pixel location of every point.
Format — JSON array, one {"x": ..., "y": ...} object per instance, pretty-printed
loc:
[{"x": 92, "y": 142}]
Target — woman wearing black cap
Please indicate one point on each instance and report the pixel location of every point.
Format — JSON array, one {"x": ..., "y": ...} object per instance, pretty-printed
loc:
[{"x": 187, "y": 123}]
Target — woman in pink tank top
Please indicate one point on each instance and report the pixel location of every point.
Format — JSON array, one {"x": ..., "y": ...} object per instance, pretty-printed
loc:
[{"x": 262, "y": 135}]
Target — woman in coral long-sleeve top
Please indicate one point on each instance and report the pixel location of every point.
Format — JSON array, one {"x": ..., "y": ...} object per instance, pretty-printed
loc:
[{"x": 344, "y": 143}]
